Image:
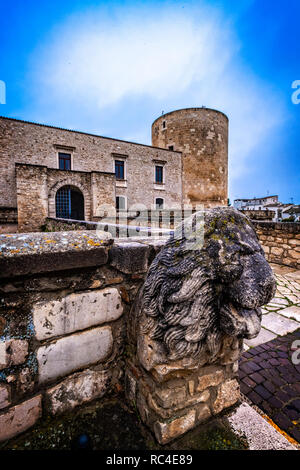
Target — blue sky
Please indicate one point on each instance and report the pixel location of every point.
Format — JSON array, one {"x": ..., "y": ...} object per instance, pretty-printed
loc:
[{"x": 112, "y": 67}]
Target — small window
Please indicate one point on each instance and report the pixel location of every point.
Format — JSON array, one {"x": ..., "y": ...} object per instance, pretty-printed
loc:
[
  {"x": 120, "y": 203},
  {"x": 119, "y": 169},
  {"x": 159, "y": 203},
  {"x": 171, "y": 147},
  {"x": 164, "y": 124},
  {"x": 159, "y": 174},
  {"x": 64, "y": 161}
]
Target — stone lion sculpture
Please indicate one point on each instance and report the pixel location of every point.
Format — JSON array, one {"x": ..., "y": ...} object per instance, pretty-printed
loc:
[{"x": 207, "y": 282}]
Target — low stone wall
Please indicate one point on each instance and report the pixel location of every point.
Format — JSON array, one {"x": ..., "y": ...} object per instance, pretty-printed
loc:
[
  {"x": 83, "y": 316},
  {"x": 261, "y": 215},
  {"x": 65, "y": 299},
  {"x": 280, "y": 241}
]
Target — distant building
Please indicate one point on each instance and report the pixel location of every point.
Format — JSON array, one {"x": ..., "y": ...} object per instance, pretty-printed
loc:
[
  {"x": 274, "y": 210},
  {"x": 292, "y": 212},
  {"x": 256, "y": 203}
]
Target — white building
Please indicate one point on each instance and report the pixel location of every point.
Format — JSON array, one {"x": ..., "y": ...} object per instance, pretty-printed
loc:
[
  {"x": 269, "y": 203},
  {"x": 256, "y": 203}
]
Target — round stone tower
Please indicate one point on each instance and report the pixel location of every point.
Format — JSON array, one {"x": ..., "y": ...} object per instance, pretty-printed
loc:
[{"x": 201, "y": 134}]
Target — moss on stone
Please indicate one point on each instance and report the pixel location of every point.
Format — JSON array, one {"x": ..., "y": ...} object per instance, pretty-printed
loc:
[{"x": 111, "y": 425}]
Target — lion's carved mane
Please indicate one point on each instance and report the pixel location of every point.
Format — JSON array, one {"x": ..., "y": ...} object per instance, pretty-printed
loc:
[{"x": 193, "y": 297}]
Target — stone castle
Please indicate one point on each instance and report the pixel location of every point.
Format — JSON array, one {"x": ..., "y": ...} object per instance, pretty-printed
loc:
[{"x": 52, "y": 172}]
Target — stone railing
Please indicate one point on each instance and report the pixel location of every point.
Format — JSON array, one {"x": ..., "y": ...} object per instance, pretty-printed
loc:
[
  {"x": 280, "y": 241},
  {"x": 83, "y": 316}
]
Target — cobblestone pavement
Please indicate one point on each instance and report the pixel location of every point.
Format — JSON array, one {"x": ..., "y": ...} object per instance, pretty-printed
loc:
[
  {"x": 271, "y": 381},
  {"x": 268, "y": 376},
  {"x": 282, "y": 314}
]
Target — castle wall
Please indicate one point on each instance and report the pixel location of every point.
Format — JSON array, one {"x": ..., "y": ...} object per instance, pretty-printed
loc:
[
  {"x": 37, "y": 187},
  {"x": 201, "y": 134},
  {"x": 32, "y": 197},
  {"x": 8, "y": 220},
  {"x": 35, "y": 144},
  {"x": 280, "y": 241}
]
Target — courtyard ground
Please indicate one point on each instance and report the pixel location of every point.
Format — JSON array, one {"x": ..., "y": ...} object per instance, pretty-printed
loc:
[{"x": 268, "y": 377}]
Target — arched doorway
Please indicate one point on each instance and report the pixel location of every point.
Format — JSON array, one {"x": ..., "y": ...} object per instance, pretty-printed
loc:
[{"x": 69, "y": 203}]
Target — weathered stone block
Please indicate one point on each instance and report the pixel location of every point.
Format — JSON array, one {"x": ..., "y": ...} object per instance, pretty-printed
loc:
[
  {"x": 266, "y": 249},
  {"x": 210, "y": 380},
  {"x": 202, "y": 413},
  {"x": 4, "y": 396},
  {"x": 13, "y": 352},
  {"x": 191, "y": 387},
  {"x": 228, "y": 394},
  {"x": 25, "y": 381},
  {"x": 18, "y": 351},
  {"x": 277, "y": 251},
  {"x": 169, "y": 397},
  {"x": 20, "y": 418},
  {"x": 130, "y": 387},
  {"x": 2, "y": 325},
  {"x": 165, "y": 432},
  {"x": 76, "y": 312},
  {"x": 76, "y": 390},
  {"x": 294, "y": 254},
  {"x": 130, "y": 257},
  {"x": 3, "y": 355},
  {"x": 73, "y": 352}
]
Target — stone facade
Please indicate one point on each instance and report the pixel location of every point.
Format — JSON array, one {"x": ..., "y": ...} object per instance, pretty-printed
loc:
[
  {"x": 30, "y": 174},
  {"x": 37, "y": 186},
  {"x": 201, "y": 134},
  {"x": 280, "y": 241},
  {"x": 8, "y": 219},
  {"x": 194, "y": 171}
]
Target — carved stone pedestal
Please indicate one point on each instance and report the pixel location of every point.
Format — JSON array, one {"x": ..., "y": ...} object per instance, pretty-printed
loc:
[
  {"x": 172, "y": 399},
  {"x": 201, "y": 297}
]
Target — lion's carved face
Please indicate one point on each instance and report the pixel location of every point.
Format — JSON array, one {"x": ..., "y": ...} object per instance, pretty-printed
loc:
[{"x": 192, "y": 298}]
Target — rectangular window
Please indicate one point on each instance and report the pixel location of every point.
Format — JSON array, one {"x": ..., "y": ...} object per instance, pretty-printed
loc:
[
  {"x": 119, "y": 169},
  {"x": 171, "y": 147},
  {"x": 120, "y": 203},
  {"x": 159, "y": 174},
  {"x": 64, "y": 161},
  {"x": 159, "y": 203}
]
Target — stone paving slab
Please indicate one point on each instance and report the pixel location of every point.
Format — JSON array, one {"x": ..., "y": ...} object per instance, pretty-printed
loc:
[
  {"x": 263, "y": 337},
  {"x": 259, "y": 433},
  {"x": 270, "y": 380},
  {"x": 279, "y": 324},
  {"x": 291, "y": 312},
  {"x": 282, "y": 314}
]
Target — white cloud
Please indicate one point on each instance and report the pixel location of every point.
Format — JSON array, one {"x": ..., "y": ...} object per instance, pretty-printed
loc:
[
  {"x": 138, "y": 54},
  {"x": 168, "y": 56}
]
